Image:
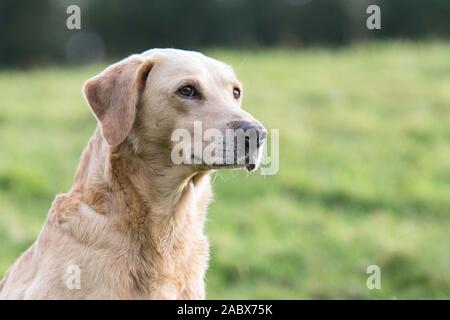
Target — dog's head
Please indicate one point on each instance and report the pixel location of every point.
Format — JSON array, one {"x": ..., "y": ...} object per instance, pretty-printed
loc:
[{"x": 176, "y": 107}]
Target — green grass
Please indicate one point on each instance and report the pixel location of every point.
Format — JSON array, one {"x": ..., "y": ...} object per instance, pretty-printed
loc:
[{"x": 364, "y": 171}]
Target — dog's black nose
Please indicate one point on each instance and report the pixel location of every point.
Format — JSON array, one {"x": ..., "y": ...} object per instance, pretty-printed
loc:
[{"x": 252, "y": 129}]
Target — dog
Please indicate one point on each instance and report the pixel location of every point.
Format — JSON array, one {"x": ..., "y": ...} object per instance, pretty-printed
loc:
[{"x": 131, "y": 227}]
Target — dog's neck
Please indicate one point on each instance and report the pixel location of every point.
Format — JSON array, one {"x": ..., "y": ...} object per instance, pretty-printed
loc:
[
  {"x": 137, "y": 191},
  {"x": 151, "y": 218}
]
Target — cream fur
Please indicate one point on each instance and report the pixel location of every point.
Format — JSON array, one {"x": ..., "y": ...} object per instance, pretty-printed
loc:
[{"x": 133, "y": 222}]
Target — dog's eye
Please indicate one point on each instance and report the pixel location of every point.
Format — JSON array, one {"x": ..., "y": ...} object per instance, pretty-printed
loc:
[
  {"x": 188, "y": 91},
  {"x": 236, "y": 93}
]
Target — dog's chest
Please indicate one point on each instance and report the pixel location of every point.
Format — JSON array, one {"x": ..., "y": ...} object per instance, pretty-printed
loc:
[
  {"x": 171, "y": 269},
  {"x": 132, "y": 258},
  {"x": 177, "y": 260},
  {"x": 163, "y": 258}
]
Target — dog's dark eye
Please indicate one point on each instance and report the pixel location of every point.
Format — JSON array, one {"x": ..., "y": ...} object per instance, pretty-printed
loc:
[
  {"x": 236, "y": 93},
  {"x": 188, "y": 91}
]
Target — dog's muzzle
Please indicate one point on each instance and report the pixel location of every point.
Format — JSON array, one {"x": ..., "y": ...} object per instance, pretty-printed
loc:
[{"x": 249, "y": 138}]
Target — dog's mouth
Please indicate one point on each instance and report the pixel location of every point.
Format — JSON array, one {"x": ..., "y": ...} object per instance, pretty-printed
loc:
[
  {"x": 250, "y": 159},
  {"x": 249, "y": 154},
  {"x": 236, "y": 150},
  {"x": 250, "y": 167}
]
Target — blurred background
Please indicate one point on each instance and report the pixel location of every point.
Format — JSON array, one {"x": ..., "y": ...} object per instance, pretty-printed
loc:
[{"x": 364, "y": 119}]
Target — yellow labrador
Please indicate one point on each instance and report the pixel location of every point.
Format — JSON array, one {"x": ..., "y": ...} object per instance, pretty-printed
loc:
[{"x": 131, "y": 227}]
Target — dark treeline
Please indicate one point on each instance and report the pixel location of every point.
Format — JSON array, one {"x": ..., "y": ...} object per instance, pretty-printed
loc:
[{"x": 34, "y": 31}]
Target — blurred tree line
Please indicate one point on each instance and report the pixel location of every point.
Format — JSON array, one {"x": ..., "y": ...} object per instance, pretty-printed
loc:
[{"x": 34, "y": 31}]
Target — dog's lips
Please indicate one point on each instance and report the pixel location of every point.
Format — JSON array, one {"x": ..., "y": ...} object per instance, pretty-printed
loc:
[{"x": 250, "y": 167}]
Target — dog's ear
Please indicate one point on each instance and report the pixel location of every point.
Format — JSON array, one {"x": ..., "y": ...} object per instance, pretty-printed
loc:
[{"x": 114, "y": 94}]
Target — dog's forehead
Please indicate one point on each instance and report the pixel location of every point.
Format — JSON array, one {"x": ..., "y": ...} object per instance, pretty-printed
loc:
[{"x": 189, "y": 63}]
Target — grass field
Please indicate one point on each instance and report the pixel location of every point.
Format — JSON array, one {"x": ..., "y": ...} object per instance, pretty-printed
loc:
[{"x": 364, "y": 171}]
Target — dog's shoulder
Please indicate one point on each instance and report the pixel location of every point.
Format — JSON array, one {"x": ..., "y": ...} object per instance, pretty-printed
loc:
[{"x": 71, "y": 215}]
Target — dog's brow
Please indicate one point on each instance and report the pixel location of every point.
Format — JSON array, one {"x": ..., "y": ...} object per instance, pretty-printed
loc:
[
  {"x": 191, "y": 81},
  {"x": 234, "y": 84}
]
